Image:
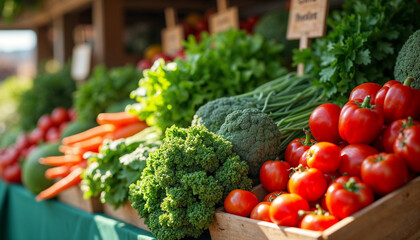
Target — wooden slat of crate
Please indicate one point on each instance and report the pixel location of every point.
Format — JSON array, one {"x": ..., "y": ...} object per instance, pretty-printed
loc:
[
  {"x": 74, "y": 197},
  {"x": 394, "y": 216},
  {"x": 126, "y": 213}
]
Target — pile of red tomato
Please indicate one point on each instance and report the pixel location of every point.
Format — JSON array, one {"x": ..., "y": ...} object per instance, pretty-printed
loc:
[
  {"x": 49, "y": 128},
  {"x": 366, "y": 149}
]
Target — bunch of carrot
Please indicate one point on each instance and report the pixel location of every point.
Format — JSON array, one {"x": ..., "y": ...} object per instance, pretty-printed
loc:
[{"x": 68, "y": 167}]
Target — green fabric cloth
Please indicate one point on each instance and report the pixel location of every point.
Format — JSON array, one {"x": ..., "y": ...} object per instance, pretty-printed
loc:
[{"x": 24, "y": 218}]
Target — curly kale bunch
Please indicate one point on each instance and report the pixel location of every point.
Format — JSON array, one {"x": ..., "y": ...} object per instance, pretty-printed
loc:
[
  {"x": 254, "y": 136},
  {"x": 185, "y": 180},
  {"x": 212, "y": 115},
  {"x": 118, "y": 164}
]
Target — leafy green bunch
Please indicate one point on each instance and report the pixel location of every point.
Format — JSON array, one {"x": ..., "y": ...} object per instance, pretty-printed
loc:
[
  {"x": 118, "y": 164},
  {"x": 220, "y": 65},
  {"x": 49, "y": 90},
  {"x": 103, "y": 90},
  {"x": 185, "y": 180},
  {"x": 361, "y": 46}
]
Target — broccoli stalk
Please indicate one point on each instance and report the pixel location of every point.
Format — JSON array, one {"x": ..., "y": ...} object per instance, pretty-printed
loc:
[{"x": 185, "y": 180}]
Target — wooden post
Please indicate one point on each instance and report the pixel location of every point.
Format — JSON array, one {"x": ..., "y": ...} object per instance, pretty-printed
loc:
[
  {"x": 44, "y": 49},
  {"x": 170, "y": 17},
  {"x": 222, "y": 5},
  {"x": 63, "y": 42},
  {"x": 306, "y": 20},
  {"x": 304, "y": 42},
  {"x": 108, "y": 23}
]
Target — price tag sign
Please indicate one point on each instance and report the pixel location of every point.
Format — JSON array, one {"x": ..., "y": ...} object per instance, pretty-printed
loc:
[
  {"x": 222, "y": 21},
  {"x": 172, "y": 35},
  {"x": 307, "y": 17},
  {"x": 80, "y": 66},
  {"x": 172, "y": 40}
]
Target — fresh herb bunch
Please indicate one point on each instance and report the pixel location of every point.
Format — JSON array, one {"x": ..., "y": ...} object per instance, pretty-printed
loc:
[
  {"x": 220, "y": 65},
  {"x": 361, "y": 46},
  {"x": 118, "y": 164},
  {"x": 103, "y": 89},
  {"x": 49, "y": 90},
  {"x": 185, "y": 180}
]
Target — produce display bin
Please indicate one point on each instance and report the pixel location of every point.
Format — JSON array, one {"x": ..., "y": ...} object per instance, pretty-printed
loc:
[
  {"x": 127, "y": 214},
  {"x": 394, "y": 216},
  {"x": 74, "y": 197}
]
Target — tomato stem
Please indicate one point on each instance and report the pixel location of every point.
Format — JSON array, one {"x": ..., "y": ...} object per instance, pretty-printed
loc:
[
  {"x": 379, "y": 158},
  {"x": 366, "y": 102},
  {"x": 308, "y": 141},
  {"x": 351, "y": 185},
  {"x": 408, "y": 81},
  {"x": 409, "y": 123}
]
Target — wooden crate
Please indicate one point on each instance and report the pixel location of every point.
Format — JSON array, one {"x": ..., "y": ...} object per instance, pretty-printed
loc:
[
  {"x": 74, "y": 197},
  {"x": 394, "y": 216},
  {"x": 127, "y": 214}
]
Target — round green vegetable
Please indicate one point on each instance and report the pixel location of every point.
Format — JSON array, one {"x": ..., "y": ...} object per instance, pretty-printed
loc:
[
  {"x": 33, "y": 173},
  {"x": 408, "y": 61}
]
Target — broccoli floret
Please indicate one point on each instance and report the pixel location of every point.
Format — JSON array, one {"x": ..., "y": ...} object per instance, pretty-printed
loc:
[
  {"x": 185, "y": 180},
  {"x": 254, "y": 136},
  {"x": 408, "y": 61},
  {"x": 212, "y": 115}
]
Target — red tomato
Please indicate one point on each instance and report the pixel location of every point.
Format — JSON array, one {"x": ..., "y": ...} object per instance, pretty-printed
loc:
[
  {"x": 37, "y": 135},
  {"x": 274, "y": 175},
  {"x": 253, "y": 20},
  {"x": 399, "y": 100},
  {"x": 59, "y": 115},
  {"x": 72, "y": 114},
  {"x": 144, "y": 64},
  {"x": 342, "y": 144},
  {"x": 284, "y": 209},
  {"x": 317, "y": 222},
  {"x": 345, "y": 198},
  {"x": 52, "y": 135},
  {"x": 407, "y": 146},
  {"x": 365, "y": 89},
  {"x": 384, "y": 172},
  {"x": 360, "y": 123},
  {"x": 303, "y": 159},
  {"x": 352, "y": 157},
  {"x": 378, "y": 142},
  {"x": 240, "y": 202},
  {"x": 273, "y": 195},
  {"x": 308, "y": 183},
  {"x": 261, "y": 212},
  {"x": 22, "y": 142},
  {"x": 392, "y": 131},
  {"x": 296, "y": 148},
  {"x": 324, "y": 156},
  {"x": 244, "y": 25},
  {"x": 9, "y": 157},
  {"x": 331, "y": 177},
  {"x": 323, "y": 123},
  {"x": 62, "y": 127},
  {"x": 201, "y": 26},
  {"x": 27, "y": 151},
  {"x": 12, "y": 173},
  {"x": 45, "y": 122}
]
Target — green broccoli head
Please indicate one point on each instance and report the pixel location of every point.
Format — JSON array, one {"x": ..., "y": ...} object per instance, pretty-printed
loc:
[
  {"x": 212, "y": 115},
  {"x": 408, "y": 60},
  {"x": 185, "y": 180},
  {"x": 254, "y": 136}
]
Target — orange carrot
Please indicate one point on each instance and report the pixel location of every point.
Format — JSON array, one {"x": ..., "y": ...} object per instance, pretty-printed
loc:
[
  {"x": 60, "y": 160},
  {"x": 69, "y": 181},
  {"x": 120, "y": 118},
  {"x": 88, "y": 134},
  {"x": 70, "y": 150},
  {"x": 89, "y": 145},
  {"x": 127, "y": 131},
  {"x": 57, "y": 172}
]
